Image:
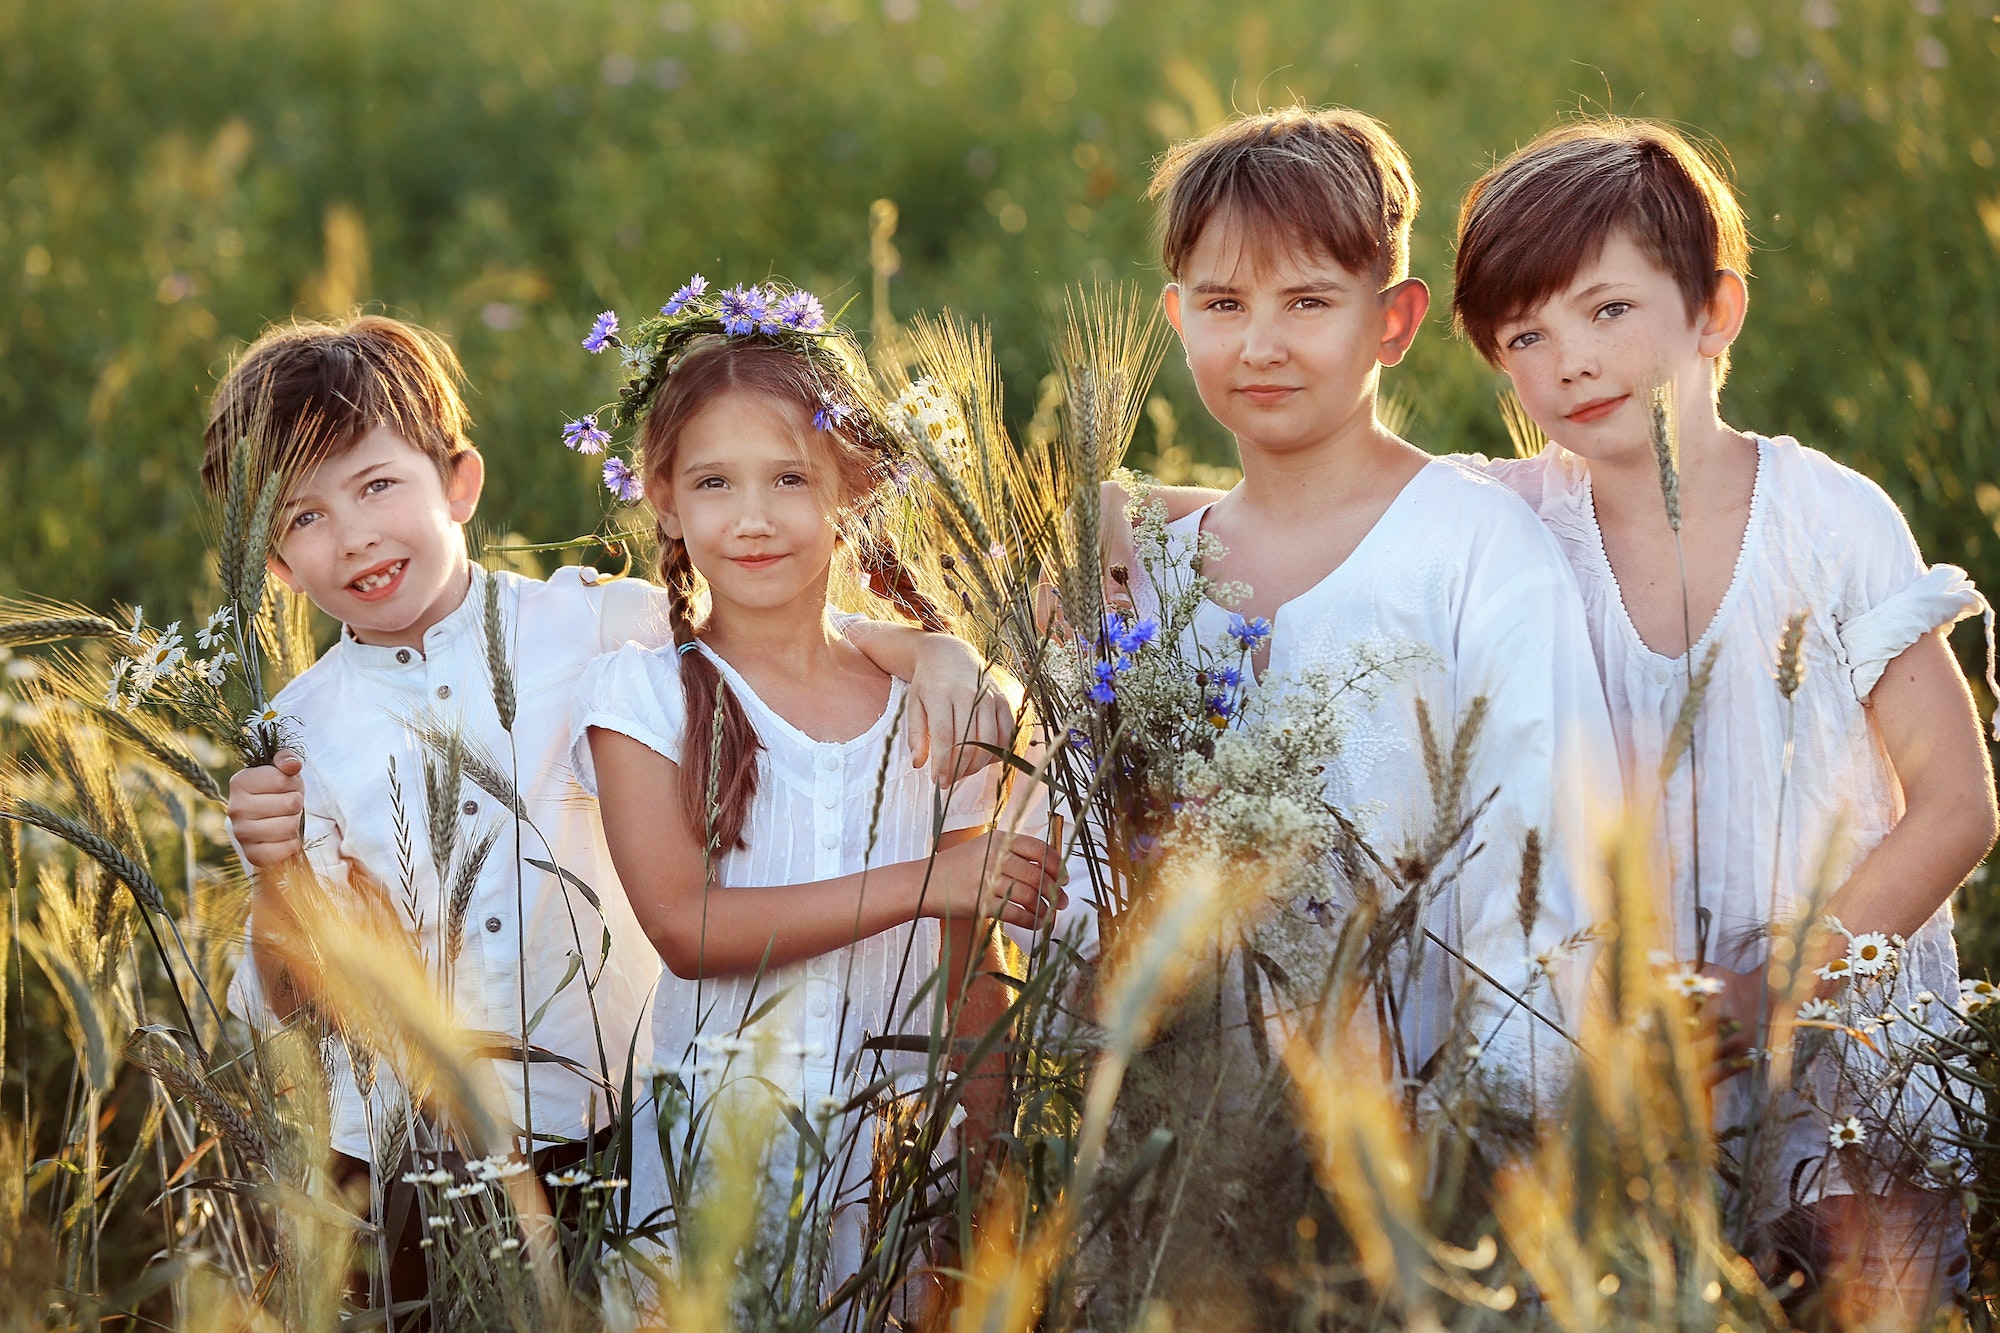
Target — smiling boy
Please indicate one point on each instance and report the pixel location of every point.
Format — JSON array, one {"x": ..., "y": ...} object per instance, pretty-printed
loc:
[
  {"x": 1286, "y": 237},
  {"x": 1604, "y": 259}
]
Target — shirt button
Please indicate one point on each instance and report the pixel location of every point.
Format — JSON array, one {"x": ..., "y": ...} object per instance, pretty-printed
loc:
[
  {"x": 830, "y": 841},
  {"x": 444, "y": 691},
  {"x": 830, "y": 760},
  {"x": 403, "y": 656},
  {"x": 492, "y": 925},
  {"x": 470, "y": 807},
  {"x": 830, "y": 800}
]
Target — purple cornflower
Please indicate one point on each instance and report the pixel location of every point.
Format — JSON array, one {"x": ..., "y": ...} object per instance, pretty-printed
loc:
[
  {"x": 1250, "y": 633},
  {"x": 743, "y": 309},
  {"x": 584, "y": 436},
  {"x": 622, "y": 481},
  {"x": 831, "y": 416},
  {"x": 801, "y": 311},
  {"x": 681, "y": 299},
  {"x": 1102, "y": 692},
  {"x": 603, "y": 332}
]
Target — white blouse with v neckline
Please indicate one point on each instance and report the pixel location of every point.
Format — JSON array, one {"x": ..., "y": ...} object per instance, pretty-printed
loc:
[{"x": 1457, "y": 566}]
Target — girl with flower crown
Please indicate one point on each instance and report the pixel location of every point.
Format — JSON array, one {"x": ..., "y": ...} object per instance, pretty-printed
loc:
[{"x": 802, "y": 882}]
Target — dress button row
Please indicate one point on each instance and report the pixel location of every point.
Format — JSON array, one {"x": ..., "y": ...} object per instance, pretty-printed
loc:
[{"x": 492, "y": 925}]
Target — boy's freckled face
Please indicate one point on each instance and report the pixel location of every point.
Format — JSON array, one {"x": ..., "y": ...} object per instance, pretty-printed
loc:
[
  {"x": 1283, "y": 342},
  {"x": 745, "y": 495},
  {"x": 374, "y": 536},
  {"x": 1583, "y": 360}
]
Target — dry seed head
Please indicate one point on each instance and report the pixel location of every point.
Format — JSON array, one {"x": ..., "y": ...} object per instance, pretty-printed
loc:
[
  {"x": 499, "y": 667},
  {"x": 1791, "y": 672},
  {"x": 1663, "y": 427}
]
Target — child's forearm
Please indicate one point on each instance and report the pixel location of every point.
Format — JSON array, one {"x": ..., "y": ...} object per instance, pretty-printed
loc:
[
  {"x": 1911, "y": 873},
  {"x": 737, "y": 931}
]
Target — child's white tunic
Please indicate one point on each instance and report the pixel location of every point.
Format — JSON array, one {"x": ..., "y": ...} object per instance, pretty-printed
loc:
[
  {"x": 1458, "y": 567},
  {"x": 354, "y": 713},
  {"x": 823, "y": 809},
  {"x": 1821, "y": 539}
]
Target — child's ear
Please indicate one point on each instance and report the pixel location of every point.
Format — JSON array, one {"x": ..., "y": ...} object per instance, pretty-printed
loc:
[
  {"x": 1403, "y": 309},
  {"x": 1722, "y": 320},
  {"x": 282, "y": 572},
  {"x": 467, "y": 480},
  {"x": 1170, "y": 301}
]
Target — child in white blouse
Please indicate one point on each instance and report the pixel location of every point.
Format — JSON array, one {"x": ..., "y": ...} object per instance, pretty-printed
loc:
[
  {"x": 801, "y": 882},
  {"x": 1602, "y": 260},
  {"x": 1286, "y": 236}
]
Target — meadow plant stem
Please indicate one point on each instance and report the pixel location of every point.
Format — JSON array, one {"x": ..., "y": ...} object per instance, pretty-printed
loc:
[{"x": 1694, "y": 762}]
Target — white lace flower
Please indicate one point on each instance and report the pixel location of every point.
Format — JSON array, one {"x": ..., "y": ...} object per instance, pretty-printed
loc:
[
  {"x": 1847, "y": 1133},
  {"x": 1870, "y": 953}
]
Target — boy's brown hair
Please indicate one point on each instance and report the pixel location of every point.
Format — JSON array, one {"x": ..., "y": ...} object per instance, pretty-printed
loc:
[
  {"x": 309, "y": 390},
  {"x": 1330, "y": 180},
  {"x": 1528, "y": 225}
]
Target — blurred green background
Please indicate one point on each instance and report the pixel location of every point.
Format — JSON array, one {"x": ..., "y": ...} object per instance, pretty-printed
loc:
[{"x": 176, "y": 173}]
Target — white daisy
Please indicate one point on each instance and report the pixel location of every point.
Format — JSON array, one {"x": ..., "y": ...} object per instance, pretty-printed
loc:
[
  {"x": 1816, "y": 1011},
  {"x": 1847, "y": 1133},
  {"x": 1870, "y": 953}
]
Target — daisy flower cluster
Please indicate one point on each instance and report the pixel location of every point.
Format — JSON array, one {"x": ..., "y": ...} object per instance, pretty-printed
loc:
[
  {"x": 930, "y": 416},
  {"x": 156, "y": 660}
]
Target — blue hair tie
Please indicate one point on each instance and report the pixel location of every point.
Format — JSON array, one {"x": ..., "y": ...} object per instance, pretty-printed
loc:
[{"x": 688, "y": 647}]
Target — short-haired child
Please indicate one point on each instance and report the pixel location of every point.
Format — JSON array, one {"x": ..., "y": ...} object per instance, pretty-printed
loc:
[
  {"x": 1286, "y": 240},
  {"x": 1604, "y": 259},
  {"x": 758, "y": 746},
  {"x": 370, "y": 424}
]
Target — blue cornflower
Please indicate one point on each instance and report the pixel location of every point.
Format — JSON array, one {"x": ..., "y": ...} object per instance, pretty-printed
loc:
[
  {"x": 801, "y": 311},
  {"x": 1227, "y": 677},
  {"x": 681, "y": 299},
  {"x": 1129, "y": 638},
  {"x": 1102, "y": 692},
  {"x": 584, "y": 436},
  {"x": 743, "y": 309},
  {"x": 831, "y": 415},
  {"x": 1218, "y": 705},
  {"x": 1250, "y": 633},
  {"x": 622, "y": 481},
  {"x": 603, "y": 332}
]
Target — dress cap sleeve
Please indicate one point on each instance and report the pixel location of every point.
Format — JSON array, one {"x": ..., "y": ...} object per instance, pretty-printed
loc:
[
  {"x": 1942, "y": 595},
  {"x": 636, "y": 692}
]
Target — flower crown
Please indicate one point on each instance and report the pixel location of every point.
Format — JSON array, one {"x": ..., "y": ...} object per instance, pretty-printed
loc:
[{"x": 773, "y": 314}]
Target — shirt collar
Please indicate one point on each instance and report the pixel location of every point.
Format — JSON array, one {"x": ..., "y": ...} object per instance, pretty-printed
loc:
[{"x": 462, "y": 621}]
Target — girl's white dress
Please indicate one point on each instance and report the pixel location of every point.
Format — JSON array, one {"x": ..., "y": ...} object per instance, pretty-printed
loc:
[
  {"x": 1825, "y": 540},
  {"x": 822, "y": 810}
]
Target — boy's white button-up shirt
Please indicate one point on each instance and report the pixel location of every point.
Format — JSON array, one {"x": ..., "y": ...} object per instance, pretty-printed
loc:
[{"x": 356, "y": 714}]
